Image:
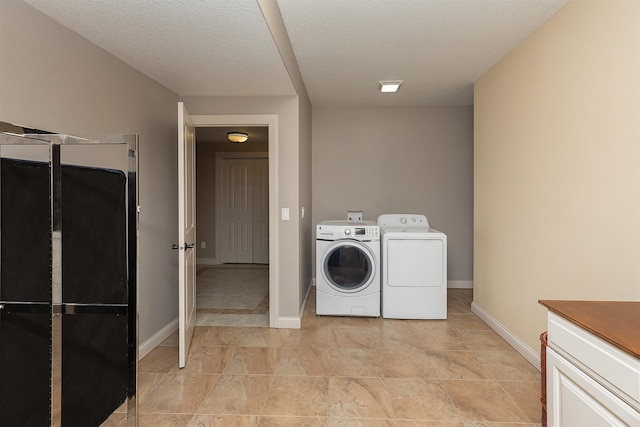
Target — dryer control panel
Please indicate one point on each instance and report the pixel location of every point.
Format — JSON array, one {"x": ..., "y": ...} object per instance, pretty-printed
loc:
[
  {"x": 399, "y": 220},
  {"x": 337, "y": 230}
]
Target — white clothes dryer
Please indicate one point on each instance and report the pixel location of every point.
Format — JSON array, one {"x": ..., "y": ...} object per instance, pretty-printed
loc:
[
  {"x": 414, "y": 268},
  {"x": 348, "y": 268}
]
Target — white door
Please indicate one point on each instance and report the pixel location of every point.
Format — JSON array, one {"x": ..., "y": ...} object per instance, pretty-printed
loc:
[
  {"x": 186, "y": 232},
  {"x": 245, "y": 210},
  {"x": 237, "y": 212}
]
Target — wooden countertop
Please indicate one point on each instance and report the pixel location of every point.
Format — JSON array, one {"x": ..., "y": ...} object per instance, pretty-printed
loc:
[{"x": 617, "y": 322}]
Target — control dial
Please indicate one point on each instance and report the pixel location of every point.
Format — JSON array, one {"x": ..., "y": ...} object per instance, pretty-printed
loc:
[
  {"x": 403, "y": 220},
  {"x": 347, "y": 231}
]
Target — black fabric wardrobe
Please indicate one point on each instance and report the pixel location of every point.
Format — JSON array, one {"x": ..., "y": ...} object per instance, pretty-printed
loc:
[{"x": 68, "y": 362}]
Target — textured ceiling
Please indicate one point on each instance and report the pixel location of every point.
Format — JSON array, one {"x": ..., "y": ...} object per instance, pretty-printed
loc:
[{"x": 343, "y": 48}]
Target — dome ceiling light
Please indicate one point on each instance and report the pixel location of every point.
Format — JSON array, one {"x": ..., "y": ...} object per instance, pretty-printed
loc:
[{"x": 237, "y": 137}]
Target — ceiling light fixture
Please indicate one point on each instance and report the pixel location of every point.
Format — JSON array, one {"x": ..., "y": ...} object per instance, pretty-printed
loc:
[
  {"x": 389, "y": 86},
  {"x": 237, "y": 136}
]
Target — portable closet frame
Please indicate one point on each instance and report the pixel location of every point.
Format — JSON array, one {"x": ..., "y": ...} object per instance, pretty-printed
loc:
[{"x": 56, "y": 307}]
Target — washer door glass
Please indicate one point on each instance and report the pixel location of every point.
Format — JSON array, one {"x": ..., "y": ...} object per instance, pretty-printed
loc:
[{"x": 348, "y": 267}]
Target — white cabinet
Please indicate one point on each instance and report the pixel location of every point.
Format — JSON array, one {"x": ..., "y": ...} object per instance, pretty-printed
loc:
[{"x": 590, "y": 382}]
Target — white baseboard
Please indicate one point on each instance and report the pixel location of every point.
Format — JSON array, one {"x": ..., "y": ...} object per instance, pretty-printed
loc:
[
  {"x": 207, "y": 261},
  {"x": 532, "y": 356},
  {"x": 287, "y": 322},
  {"x": 157, "y": 339},
  {"x": 460, "y": 284}
]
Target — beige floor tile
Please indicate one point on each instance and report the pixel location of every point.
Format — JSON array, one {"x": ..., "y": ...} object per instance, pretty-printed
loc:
[
  {"x": 417, "y": 398},
  {"x": 252, "y": 360},
  {"x": 507, "y": 366},
  {"x": 394, "y": 337},
  {"x": 483, "y": 401},
  {"x": 165, "y": 420},
  {"x": 343, "y": 371},
  {"x": 359, "y": 422},
  {"x": 223, "y": 336},
  {"x": 262, "y": 337},
  {"x": 351, "y": 321},
  {"x": 456, "y": 365},
  {"x": 237, "y": 395},
  {"x": 146, "y": 382},
  {"x": 223, "y": 421},
  {"x": 314, "y": 336},
  {"x": 177, "y": 393},
  {"x": 311, "y": 320},
  {"x": 304, "y": 361},
  {"x": 233, "y": 336},
  {"x": 354, "y": 337},
  {"x": 426, "y": 423},
  {"x": 527, "y": 397},
  {"x": 436, "y": 339},
  {"x": 406, "y": 363},
  {"x": 484, "y": 341},
  {"x": 116, "y": 419},
  {"x": 462, "y": 322},
  {"x": 355, "y": 362},
  {"x": 459, "y": 307},
  {"x": 298, "y": 396},
  {"x": 358, "y": 398},
  {"x": 498, "y": 424},
  {"x": 160, "y": 361},
  {"x": 205, "y": 360},
  {"x": 198, "y": 333},
  {"x": 292, "y": 422},
  {"x": 460, "y": 294},
  {"x": 172, "y": 340}
]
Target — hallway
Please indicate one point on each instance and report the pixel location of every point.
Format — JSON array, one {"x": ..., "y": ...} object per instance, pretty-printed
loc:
[{"x": 233, "y": 295}]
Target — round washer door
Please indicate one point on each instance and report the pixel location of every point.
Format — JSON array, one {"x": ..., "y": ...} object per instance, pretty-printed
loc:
[{"x": 348, "y": 266}]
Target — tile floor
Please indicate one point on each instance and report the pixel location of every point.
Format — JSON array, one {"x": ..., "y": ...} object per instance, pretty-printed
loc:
[
  {"x": 233, "y": 295},
  {"x": 338, "y": 371}
]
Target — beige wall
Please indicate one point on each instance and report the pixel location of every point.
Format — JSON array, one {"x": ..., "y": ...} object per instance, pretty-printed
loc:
[
  {"x": 50, "y": 78},
  {"x": 557, "y": 168},
  {"x": 291, "y": 265},
  {"x": 398, "y": 160}
]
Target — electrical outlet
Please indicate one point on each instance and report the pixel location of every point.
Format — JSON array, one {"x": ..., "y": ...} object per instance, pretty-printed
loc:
[{"x": 203, "y": 245}]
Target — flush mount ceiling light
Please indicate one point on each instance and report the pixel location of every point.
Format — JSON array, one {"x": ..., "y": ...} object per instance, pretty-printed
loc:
[
  {"x": 389, "y": 86},
  {"x": 237, "y": 136}
]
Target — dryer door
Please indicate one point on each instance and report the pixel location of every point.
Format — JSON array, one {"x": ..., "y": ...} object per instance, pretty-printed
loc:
[{"x": 348, "y": 266}]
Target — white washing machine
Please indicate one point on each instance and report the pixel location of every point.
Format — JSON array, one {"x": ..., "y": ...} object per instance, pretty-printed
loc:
[
  {"x": 348, "y": 268},
  {"x": 414, "y": 268}
]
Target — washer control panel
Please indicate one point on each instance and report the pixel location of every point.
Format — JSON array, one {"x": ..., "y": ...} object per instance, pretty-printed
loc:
[{"x": 330, "y": 230}]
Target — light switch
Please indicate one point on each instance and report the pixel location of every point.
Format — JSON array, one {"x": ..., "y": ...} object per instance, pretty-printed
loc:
[{"x": 285, "y": 214}]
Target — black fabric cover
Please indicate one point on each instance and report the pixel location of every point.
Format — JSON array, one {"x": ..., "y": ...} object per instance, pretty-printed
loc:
[
  {"x": 24, "y": 369},
  {"x": 94, "y": 348},
  {"x": 25, "y": 269},
  {"x": 93, "y": 236},
  {"x": 94, "y": 367}
]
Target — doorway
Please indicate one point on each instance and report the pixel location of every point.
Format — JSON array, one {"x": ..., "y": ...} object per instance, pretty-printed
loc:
[{"x": 233, "y": 199}]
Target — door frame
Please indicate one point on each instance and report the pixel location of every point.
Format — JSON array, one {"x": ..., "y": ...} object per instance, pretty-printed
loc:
[
  {"x": 271, "y": 121},
  {"x": 220, "y": 157}
]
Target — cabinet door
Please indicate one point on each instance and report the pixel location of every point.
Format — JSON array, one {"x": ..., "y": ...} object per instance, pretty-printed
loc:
[{"x": 575, "y": 399}]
